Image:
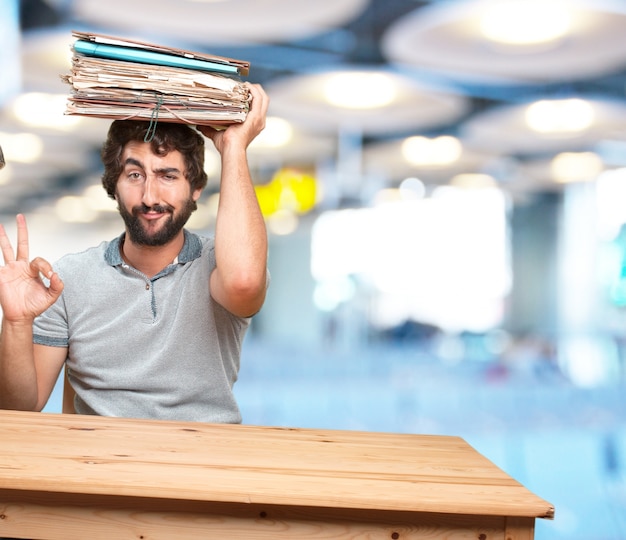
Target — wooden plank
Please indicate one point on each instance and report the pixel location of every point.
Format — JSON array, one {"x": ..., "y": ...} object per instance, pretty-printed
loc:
[
  {"x": 253, "y": 464},
  {"x": 69, "y": 517},
  {"x": 519, "y": 528}
]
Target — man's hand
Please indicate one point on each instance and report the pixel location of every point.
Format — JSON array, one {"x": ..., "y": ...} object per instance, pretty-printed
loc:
[
  {"x": 244, "y": 133},
  {"x": 23, "y": 291},
  {"x": 239, "y": 281}
]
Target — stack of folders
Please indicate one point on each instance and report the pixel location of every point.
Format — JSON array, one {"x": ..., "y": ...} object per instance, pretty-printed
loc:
[{"x": 126, "y": 79}]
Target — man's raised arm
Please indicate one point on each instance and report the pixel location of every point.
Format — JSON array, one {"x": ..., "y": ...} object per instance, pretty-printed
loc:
[
  {"x": 239, "y": 280},
  {"x": 23, "y": 295}
]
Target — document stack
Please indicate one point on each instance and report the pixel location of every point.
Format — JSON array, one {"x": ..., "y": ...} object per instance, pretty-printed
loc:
[{"x": 126, "y": 79}]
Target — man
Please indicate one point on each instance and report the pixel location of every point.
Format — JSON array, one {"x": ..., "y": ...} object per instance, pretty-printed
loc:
[{"x": 149, "y": 325}]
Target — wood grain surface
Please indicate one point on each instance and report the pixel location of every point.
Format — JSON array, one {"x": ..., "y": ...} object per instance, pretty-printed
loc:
[{"x": 151, "y": 468}]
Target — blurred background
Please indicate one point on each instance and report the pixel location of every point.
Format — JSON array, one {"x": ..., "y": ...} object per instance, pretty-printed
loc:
[{"x": 444, "y": 184}]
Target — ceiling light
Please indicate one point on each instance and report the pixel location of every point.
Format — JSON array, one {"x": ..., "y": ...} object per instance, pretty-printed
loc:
[
  {"x": 560, "y": 116},
  {"x": 440, "y": 151},
  {"x": 525, "y": 22},
  {"x": 360, "y": 90},
  {"x": 72, "y": 209},
  {"x": 21, "y": 147},
  {"x": 473, "y": 181},
  {"x": 44, "y": 110},
  {"x": 97, "y": 199},
  {"x": 277, "y": 133},
  {"x": 576, "y": 167}
]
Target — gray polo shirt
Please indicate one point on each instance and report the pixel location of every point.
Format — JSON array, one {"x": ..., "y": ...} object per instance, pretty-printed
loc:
[{"x": 142, "y": 347}]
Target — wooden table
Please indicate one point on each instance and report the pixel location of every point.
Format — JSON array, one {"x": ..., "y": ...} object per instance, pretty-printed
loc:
[{"x": 69, "y": 476}]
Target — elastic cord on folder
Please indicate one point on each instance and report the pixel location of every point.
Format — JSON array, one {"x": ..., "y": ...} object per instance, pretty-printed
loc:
[{"x": 154, "y": 119}]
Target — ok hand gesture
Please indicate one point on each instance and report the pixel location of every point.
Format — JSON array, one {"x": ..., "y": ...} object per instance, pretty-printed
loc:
[{"x": 24, "y": 293}]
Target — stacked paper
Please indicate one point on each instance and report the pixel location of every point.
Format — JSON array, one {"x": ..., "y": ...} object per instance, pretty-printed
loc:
[{"x": 124, "y": 79}]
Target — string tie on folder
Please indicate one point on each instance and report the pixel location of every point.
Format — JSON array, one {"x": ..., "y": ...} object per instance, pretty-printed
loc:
[{"x": 154, "y": 119}]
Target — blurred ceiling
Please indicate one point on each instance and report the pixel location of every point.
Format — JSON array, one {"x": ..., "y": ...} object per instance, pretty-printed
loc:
[{"x": 448, "y": 80}]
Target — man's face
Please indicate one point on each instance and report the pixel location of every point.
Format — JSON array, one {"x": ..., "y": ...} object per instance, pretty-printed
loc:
[{"x": 153, "y": 195}]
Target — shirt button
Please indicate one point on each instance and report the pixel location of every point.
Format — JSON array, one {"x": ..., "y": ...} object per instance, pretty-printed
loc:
[{"x": 147, "y": 286}]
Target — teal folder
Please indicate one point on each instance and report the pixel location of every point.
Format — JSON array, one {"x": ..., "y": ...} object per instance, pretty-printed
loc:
[{"x": 143, "y": 56}]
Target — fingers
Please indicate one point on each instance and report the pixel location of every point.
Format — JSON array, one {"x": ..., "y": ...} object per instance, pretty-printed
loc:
[
  {"x": 22, "y": 238},
  {"x": 5, "y": 245},
  {"x": 257, "y": 114},
  {"x": 260, "y": 102},
  {"x": 22, "y": 241},
  {"x": 40, "y": 266},
  {"x": 241, "y": 134}
]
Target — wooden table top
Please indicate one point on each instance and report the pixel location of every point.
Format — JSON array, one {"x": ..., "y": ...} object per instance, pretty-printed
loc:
[{"x": 255, "y": 464}]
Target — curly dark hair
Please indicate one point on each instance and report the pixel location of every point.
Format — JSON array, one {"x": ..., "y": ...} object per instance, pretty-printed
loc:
[{"x": 166, "y": 137}]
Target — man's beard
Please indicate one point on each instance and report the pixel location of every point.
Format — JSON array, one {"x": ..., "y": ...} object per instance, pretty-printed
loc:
[{"x": 172, "y": 224}]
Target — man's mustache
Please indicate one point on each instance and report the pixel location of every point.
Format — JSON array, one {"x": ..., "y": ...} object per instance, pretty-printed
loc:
[{"x": 158, "y": 208}]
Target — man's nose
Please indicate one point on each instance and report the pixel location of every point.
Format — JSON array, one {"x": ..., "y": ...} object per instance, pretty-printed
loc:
[{"x": 151, "y": 191}]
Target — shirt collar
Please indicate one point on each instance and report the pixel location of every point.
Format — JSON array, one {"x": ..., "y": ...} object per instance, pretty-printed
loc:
[{"x": 192, "y": 249}]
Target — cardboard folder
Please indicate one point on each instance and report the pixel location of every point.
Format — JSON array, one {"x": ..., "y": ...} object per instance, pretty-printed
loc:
[
  {"x": 133, "y": 47},
  {"x": 107, "y": 87}
]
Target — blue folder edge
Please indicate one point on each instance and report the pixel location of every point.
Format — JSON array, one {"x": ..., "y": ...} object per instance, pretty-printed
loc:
[{"x": 129, "y": 54}]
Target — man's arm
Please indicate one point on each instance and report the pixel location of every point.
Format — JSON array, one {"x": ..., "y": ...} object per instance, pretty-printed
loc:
[
  {"x": 239, "y": 280},
  {"x": 27, "y": 375},
  {"x": 27, "y": 372}
]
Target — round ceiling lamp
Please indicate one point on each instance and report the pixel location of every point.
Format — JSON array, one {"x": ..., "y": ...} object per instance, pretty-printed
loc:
[
  {"x": 510, "y": 41},
  {"x": 367, "y": 101},
  {"x": 561, "y": 116},
  {"x": 222, "y": 23},
  {"x": 360, "y": 90},
  {"x": 430, "y": 161},
  {"x": 526, "y": 22},
  {"x": 546, "y": 126}
]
